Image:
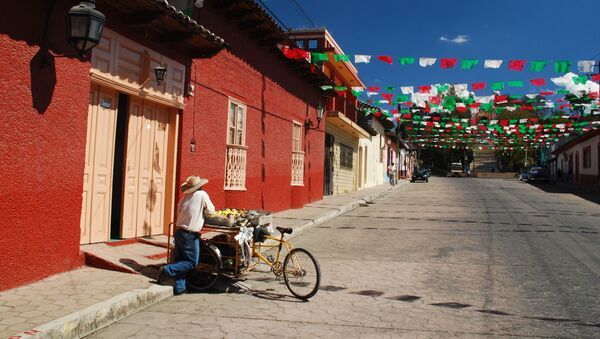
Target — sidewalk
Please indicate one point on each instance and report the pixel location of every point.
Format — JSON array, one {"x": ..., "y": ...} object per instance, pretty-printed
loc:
[{"x": 79, "y": 302}]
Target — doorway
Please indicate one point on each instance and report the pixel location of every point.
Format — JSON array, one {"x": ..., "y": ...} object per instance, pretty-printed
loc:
[
  {"x": 329, "y": 159},
  {"x": 119, "y": 157},
  {"x": 129, "y": 175}
]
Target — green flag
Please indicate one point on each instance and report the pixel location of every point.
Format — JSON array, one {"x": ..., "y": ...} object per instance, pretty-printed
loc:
[
  {"x": 497, "y": 86},
  {"x": 316, "y": 57},
  {"x": 341, "y": 88},
  {"x": 356, "y": 93},
  {"x": 562, "y": 91},
  {"x": 390, "y": 88},
  {"x": 442, "y": 88},
  {"x": 407, "y": 61},
  {"x": 562, "y": 66},
  {"x": 468, "y": 63},
  {"x": 326, "y": 87},
  {"x": 515, "y": 83},
  {"x": 580, "y": 80},
  {"x": 538, "y": 65},
  {"x": 342, "y": 57},
  {"x": 486, "y": 107}
]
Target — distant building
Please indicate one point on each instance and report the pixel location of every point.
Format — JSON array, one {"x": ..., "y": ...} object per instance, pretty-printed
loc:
[{"x": 578, "y": 160}]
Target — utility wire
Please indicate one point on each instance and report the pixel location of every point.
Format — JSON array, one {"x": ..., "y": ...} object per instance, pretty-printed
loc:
[
  {"x": 263, "y": 5},
  {"x": 301, "y": 10}
]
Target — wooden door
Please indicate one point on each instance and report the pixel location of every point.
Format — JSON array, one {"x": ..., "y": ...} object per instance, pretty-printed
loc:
[
  {"x": 146, "y": 170},
  {"x": 99, "y": 158}
]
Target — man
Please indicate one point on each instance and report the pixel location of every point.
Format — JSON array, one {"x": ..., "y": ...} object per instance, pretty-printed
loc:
[
  {"x": 392, "y": 173},
  {"x": 190, "y": 219}
]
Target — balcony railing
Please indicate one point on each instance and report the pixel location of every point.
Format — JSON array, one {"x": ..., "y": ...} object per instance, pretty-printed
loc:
[
  {"x": 298, "y": 169},
  {"x": 235, "y": 170}
]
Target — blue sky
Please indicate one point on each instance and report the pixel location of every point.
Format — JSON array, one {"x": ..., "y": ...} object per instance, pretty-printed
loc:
[{"x": 501, "y": 29}]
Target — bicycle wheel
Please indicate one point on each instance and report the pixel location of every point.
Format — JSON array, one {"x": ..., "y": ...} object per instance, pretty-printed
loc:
[
  {"x": 208, "y": 270},
  {"x": 301, "y": 273}
]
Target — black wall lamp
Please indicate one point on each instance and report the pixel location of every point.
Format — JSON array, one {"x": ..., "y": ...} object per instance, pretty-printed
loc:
[
  {"x": 160, "y": 72},
  {"x": 308, "y": 124},
  {"x": 84, "y": 26}
]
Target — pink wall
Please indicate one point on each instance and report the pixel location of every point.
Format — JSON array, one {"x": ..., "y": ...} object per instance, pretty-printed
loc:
[{"x": 42, "y": 142}]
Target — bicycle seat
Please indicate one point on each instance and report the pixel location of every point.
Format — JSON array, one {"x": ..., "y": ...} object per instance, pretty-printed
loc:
[{"x": 284, "y": 230}]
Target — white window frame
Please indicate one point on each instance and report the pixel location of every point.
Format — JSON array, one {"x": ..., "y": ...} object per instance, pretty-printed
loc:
[
  {"x": 297, "y": 155},
  {"x": 236, "y": 150}
]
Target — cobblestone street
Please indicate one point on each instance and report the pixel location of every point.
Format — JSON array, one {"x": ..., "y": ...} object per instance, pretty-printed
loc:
[{"x": 452, "y": 257}]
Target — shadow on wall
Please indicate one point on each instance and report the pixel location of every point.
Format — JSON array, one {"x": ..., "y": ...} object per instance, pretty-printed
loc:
[{"x": 40, "y": 23}]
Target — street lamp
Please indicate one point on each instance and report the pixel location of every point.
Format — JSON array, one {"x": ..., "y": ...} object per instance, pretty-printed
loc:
[
  {"x": 308, "y": 124},
  {"x": 84, "y": 26}
]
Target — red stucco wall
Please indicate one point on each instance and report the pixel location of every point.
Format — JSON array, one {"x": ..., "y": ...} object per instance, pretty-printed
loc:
[
  {"x": 275, "y": 96},
  {"x": 42, "y": 141}
]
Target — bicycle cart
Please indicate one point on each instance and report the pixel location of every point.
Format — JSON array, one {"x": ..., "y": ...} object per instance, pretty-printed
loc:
[{"x": 231, "y": 251}]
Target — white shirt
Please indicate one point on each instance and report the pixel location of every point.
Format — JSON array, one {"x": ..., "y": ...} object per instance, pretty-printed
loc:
[{"x": 190, "y": 210}]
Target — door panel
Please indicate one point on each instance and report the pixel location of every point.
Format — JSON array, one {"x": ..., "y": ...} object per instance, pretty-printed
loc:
[
  {"x": 97, "y": 183},
  {"x": 146, "y": 169}
]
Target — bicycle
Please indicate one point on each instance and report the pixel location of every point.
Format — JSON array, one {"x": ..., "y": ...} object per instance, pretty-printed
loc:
[{"x": 300, "y": 269}]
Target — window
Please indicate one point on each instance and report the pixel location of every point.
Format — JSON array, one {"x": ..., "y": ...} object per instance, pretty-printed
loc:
[
  {"x": 587, "y": 157},
  {"x": 346, "y": 156},
  {"x": 297, "y": 156},
  {"x": 313, "y": 44},
  {"x": 235, "y": 168}
]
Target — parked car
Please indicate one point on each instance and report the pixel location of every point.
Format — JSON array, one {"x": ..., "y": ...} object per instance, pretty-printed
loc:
[
  {"x": 537, "y": 174},
  {"x": 456, "y": 169},
  {"x": 420, "y": 174},
  {"x": 523, "y": 174}
]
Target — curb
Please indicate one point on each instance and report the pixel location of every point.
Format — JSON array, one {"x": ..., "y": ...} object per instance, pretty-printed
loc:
[
  {"x": 345, "y": 209},
  {"x": 81, "y": 323}
]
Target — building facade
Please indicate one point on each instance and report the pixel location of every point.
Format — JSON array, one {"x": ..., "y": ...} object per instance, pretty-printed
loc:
[
  {"x": 345, "y": 161},
  {"x": 578, "y": 160},
  {"x": 95, "y": 146}
]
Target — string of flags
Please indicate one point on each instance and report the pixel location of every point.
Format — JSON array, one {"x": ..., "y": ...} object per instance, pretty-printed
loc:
[
  {"x": 559, "y": 66},
  {"x": 475, "y": 86}
]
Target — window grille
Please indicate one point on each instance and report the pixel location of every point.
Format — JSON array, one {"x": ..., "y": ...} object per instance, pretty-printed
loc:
[{"x": 235, "y": 168}]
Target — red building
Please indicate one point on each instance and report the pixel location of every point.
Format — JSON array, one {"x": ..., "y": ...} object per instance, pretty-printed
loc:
[{"x": 95, "y": 146}]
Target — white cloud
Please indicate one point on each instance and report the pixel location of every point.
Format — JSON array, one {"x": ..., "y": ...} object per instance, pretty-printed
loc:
[
  {"x": 578, "y": 90},
  {"x": 459, "y": 39}
]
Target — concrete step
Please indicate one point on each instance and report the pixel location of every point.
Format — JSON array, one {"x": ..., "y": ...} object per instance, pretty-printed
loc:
[
  {"x": 495, "y": 175},
  {"x": 139, "y": 256}
]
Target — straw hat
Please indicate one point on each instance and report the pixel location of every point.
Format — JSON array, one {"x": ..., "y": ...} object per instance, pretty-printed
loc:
[{"x": 192, "y": 184}]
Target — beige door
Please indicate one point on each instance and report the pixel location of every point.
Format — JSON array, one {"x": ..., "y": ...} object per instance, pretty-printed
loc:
[
  {"x": 99, "y": 157},
  {"x": 150, "y": 140}
]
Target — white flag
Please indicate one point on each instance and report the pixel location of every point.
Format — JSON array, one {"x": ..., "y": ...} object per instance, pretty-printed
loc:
[
  {"x": 492, "y": 63},
  {"x": 407, "y": 89},
  {"x": 358, "y": 58},
  {"x": 424, "y": 62},
  {"x": 522, "y": 121},
  {"x": 358, "y": 89},
  {"x": 372, "y": 93},
  {"x": 586, "y": 66}
]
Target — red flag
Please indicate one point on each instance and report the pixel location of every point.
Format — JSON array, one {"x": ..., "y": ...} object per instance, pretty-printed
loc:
[
  {"x": 385, "y": 58},
  {"x": 424, "y": 89},
  {"x": 500, "y": 98},
  {"x": 461, "y": 109},
  {"x": 387, "y": 96},
  {"x": 475, "y": 105},
  {"x": 596, "y": 77},
  {"x": 435, "y": 100},
  {"x": 377, "y": 114},
  {"x": 295, "y": 53},
  {"x": 482, "y": 127},
  {"x": 407, "y": 116},
  {"x": 516, "y": 65},
  {"x": 341, "y": 92},
  {"x": 374, "y": 88},
  {"x": 436, "y": 118},
  {"x": 534, "y": 120},
  {"x": 593, "y": 95},
  {"x": 538, "y": 82},
  {"x": 394, "y": 111},
  {"x": 447, "y": 63},
  {"x": 427, "y": 108},
  {"x": 546, "y": 93},
  {"x": 503, "y": 122},
  {"x": 527, "y": 108},
  {"x": 478, "y": 86},
  {"x": 408, "y": 103}
]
